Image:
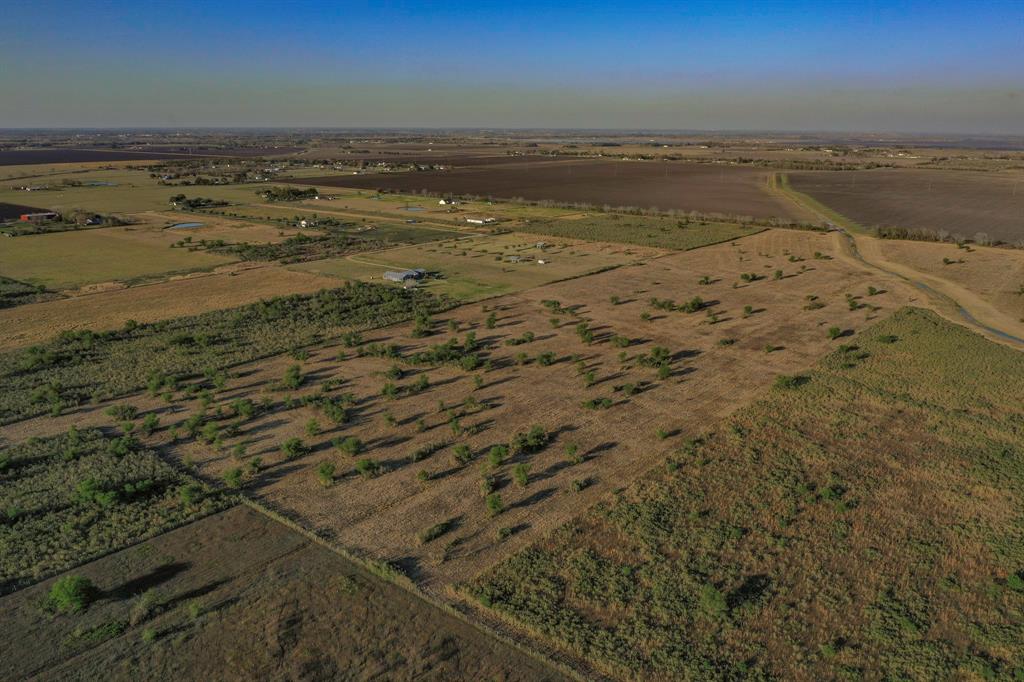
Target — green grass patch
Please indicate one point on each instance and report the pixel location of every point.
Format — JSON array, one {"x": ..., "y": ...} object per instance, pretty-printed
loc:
[{"x": 69, "y": 498}]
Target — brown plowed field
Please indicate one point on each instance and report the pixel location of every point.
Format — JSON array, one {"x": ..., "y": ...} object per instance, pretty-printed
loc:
[
  {"x": 958, "y": 203},
  {"x": 693, "y": 187},
  {"x": 237, "y": 596}
]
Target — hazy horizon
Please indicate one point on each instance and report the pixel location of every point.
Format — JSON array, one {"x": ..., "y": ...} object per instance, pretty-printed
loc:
[{"x": 783, "y": 67}]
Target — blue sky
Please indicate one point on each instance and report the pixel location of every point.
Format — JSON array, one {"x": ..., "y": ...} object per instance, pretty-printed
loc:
[{"x": 893, "y": 66}]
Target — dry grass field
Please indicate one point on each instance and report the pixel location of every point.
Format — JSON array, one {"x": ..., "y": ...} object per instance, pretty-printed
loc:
[
  {"x": 189, "y": 295},
  {"x": 961, "y": 204},
  {"x": 476, "y": 267},
  {"x": 985, "y": 280},
  {"x": 657, "y": 446},
  {"x": 862, "y": 521},
  {"x": 384, "y": 515},
  {"x": 690, "y": 187},
  {"x": 238, "y": 596}
]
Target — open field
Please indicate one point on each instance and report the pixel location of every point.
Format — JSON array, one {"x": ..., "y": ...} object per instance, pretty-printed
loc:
[
  {"x": 384, "y": 515},
  {"x": 125, "y": 191},
  {"x": 69, "y": 260},
  {"x": 71, "y": 497},
  {"x": 986, "y": 281},
  {"x": 474, "y": 267},
  {"x": 649, "y": 231},
  {"x": 689, "y": 187},
  {"x": 28, "y": 324},
  {"x": 21, "y": 157},
  {"x": 961, "y": 204},
  {"x": 214, "y": 227},
  {"x": 862, "y": 522},
  {"x": 238, "y": 596}
]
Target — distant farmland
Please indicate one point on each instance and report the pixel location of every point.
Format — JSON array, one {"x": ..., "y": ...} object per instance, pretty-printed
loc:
[
  {"x": 690, "y": 187},
  {"x": 961, "y": 203},
  {"x": 20, "y": 157}
]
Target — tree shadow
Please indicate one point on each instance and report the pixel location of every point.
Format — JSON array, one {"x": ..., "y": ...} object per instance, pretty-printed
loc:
[{"x": 155, "y": 577}]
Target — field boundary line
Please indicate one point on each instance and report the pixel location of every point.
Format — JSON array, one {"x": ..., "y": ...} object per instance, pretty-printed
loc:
[{"x": 383, "y": 570}]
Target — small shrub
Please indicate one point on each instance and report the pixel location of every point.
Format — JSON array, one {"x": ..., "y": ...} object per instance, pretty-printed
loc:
[
  {"x": 521, "y": 474},
  {"x": 233, "y": 478},
  {"x": 435, "y": 531},
  {"x": 786, "y": 381},
  {"x": 350, "y": 445},
  {"x": 367, "y": 468},
  {"x": 325, "y": 473},
  {"x": 494, "y": 504},
  {"x": 293, "y": 448},
  {"x": 462, "y": 453},
  {"x": 71, "y": 594}
]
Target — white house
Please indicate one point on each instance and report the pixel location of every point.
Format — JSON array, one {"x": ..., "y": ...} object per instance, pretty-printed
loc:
[{"x": 480, "y": 221}]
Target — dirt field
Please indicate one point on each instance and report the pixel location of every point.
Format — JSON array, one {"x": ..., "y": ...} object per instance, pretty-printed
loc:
[
  {"x": 477, "y": 267},
  {"x": 958, "y": 203},
  {"x": 28, "y": 324},
  {"x": 237, "y": 596},
  {"x": 696, "y": 187}
]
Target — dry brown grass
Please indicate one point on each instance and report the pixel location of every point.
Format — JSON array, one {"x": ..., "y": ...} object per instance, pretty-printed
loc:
[
  {"x": 238, "y": 596},
  {"x": 111, "y": 308},
  {"x": 383, "y": 516}
]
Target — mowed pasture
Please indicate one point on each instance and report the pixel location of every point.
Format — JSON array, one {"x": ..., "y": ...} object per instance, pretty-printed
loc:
[
  {"x": 188, "y": 295},
  {"x": 610, "y": 414},
  {"x": 960, "y": 204},
  {"x": 862, "y": 521},
  {"x": 239, "y": 596},
  {"x": 474, "y": 267},
  {"x": 69, "y": 260},
  {"x": 705, "y": 188}
]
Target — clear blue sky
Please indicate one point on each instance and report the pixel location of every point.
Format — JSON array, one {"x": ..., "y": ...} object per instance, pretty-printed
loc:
[{"x": 939, "y": 66}]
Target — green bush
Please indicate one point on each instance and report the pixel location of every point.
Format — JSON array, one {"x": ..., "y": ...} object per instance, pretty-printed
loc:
[
  {"x": 71, "y": 594},
  {"x": 367, "y": 468},
  {"x": 494, "y": 504},
  {"x": 325, "y": 473},
  {"x": 293, "y": 448}
]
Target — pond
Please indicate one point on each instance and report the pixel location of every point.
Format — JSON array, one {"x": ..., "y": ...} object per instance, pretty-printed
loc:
[{"x": 184, "y": 226}]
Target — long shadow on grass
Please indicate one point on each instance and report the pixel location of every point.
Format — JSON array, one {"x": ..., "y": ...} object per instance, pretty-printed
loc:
[
  {"x": 157, "y": 576},
  {"x": 536, "y": 497}
]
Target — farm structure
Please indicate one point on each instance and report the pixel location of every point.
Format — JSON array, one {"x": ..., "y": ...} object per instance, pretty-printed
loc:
[
  {"x": 42, "y": 217},
  {"x": 405, "y": 275}
]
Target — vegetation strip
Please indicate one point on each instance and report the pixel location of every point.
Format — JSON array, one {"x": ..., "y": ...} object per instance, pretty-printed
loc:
[
  {"x": 85, "y": 366},
  {"x": 852, "y": 515}
]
